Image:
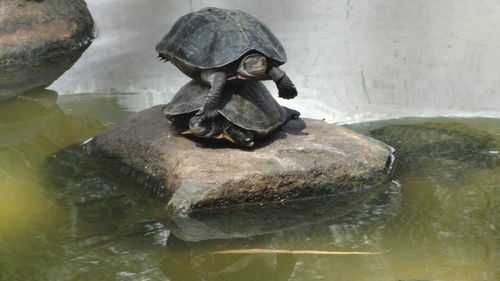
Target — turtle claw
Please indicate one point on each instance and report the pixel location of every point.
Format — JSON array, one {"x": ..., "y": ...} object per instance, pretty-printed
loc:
[{"x": 292, "y": 113}]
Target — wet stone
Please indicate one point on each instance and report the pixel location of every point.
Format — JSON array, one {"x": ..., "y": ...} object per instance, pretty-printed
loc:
[
  {"x": 39, "y": 41},
  {"x": 305, "y": 158}
]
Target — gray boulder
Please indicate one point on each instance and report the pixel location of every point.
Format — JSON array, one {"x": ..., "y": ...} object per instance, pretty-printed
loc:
[
  {"x": 305, "y": 158},
  {"x": 39, "y": 41}
]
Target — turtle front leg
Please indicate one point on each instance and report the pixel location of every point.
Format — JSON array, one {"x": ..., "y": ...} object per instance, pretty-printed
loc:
[
  {"x": 212, "y": 101},
  {"x": 205, "y": 128},
  {"x": 285, "y": 86},
  {"x": 200, "y": 123}
]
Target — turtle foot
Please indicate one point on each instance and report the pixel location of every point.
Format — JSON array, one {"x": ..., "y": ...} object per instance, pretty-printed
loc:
[
  {"x": 292, "y": 113},
  {"x": 203, "y": 127},
  {"x": 286, "y": 88}
]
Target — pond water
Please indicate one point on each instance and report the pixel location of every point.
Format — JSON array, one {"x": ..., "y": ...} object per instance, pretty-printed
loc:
[{"x": 64, "y": 217}]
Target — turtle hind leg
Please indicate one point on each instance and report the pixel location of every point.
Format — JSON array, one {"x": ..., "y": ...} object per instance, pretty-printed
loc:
[
  {"x": 291, "y": 113},
  {"x": 180, "y": 122},
  {"x": 238, "y": 135}
]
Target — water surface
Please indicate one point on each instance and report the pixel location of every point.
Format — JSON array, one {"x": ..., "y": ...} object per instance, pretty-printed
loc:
[{"x": 65, "y": 217}]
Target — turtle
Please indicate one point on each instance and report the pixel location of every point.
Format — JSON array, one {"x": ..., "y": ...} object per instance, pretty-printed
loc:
[
  {"x": 219, "y": 46},
  {"x": 247, "y": 111}
]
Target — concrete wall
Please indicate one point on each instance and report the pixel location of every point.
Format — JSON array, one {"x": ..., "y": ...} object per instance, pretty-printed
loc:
[{"x": 350, "y": 59}]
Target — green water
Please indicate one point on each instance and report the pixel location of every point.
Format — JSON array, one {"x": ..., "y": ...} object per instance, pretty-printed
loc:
[{"x": 64, "y": 217}]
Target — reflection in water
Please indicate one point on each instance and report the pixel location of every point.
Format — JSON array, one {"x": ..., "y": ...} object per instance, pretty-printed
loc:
[
  {"x": 258, "y": 219},
  {"x": 185, "y": 261},
  {"x": 108, "y": 229},
  {"x": 31, "y": 128},
  {"x": 65, "y": 217}
]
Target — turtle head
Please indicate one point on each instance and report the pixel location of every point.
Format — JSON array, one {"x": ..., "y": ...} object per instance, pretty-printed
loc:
[{"x": 252, "y": 66}]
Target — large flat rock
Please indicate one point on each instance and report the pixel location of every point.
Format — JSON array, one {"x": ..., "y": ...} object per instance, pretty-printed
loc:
[{"x": 304, "y": 159}]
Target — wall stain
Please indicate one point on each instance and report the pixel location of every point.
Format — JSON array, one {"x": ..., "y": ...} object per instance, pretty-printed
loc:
[
  {"x": 347, "y": 10},
  {"x": 363, "y": 83}
]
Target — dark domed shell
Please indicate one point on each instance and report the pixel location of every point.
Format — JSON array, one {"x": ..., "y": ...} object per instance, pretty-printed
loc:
[
  {"x": 215, "y": 37},
  {"x": 248, "y": 105}
]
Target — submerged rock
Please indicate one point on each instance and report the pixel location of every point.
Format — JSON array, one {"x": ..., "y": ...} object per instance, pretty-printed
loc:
[
  {"x": 23, "y": 119},
  {"x": 39, "y": 41},
  {"x": 303, "y": 159},
  {"x": 447, "y": 141}
]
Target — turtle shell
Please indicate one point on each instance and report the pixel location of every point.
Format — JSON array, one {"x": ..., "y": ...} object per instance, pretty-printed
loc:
[
  {"x": 213, "y": 37},
  {"x": 248, "y": 105}
]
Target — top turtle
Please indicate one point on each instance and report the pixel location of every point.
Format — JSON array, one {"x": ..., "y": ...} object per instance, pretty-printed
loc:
[
  {"x": 212, "y": 38},
  {"x": 215, "y": 45}
]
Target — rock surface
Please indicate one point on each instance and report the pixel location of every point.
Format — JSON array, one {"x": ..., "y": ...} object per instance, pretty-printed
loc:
[
  {"x": 305, "y": 158},
  {"x": 39, "y": 41}
]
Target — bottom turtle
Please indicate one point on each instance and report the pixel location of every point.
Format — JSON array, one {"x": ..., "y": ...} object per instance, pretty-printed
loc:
[{"x": 247, "y": 111}]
